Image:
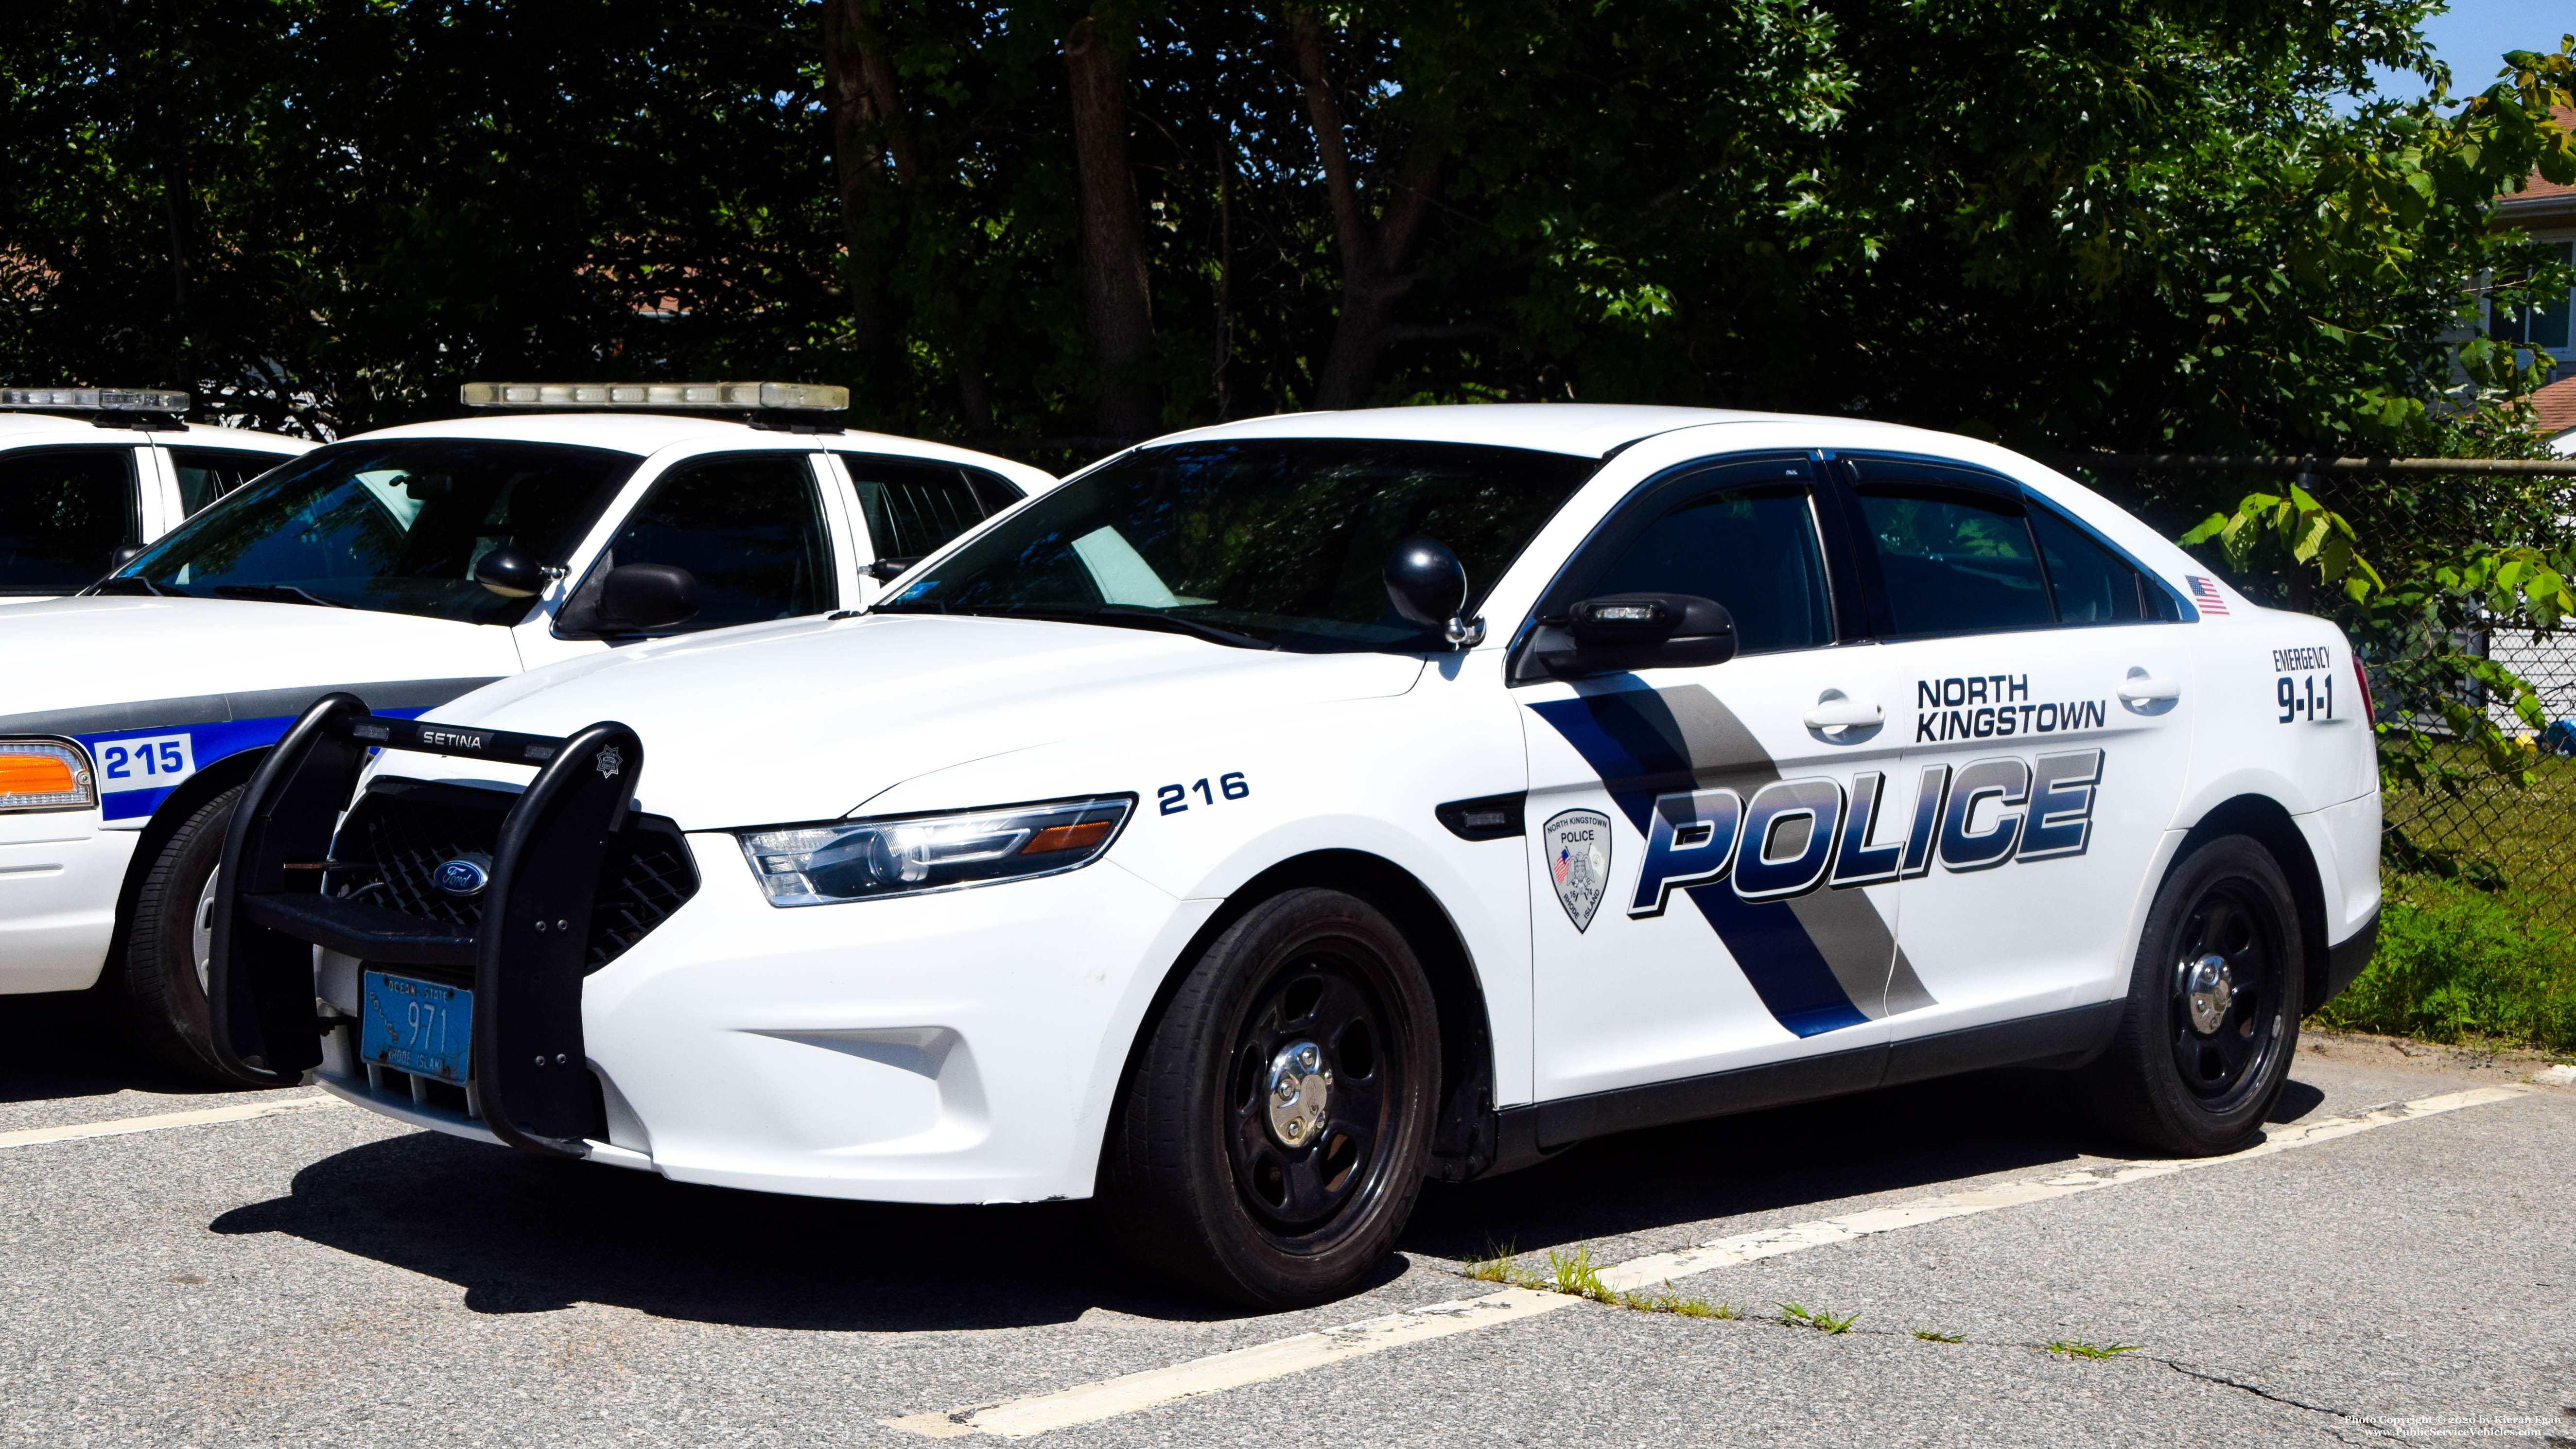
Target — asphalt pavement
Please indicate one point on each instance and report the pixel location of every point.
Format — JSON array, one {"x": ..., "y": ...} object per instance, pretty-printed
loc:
[{"x": 324, "y": 1276}]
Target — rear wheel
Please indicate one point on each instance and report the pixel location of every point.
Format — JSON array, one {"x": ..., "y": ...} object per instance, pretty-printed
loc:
[
  {"x": 157, "y": 986},
  {"x": 1271, "y": 1141},
  {"x": 2214, "y": 1001}
]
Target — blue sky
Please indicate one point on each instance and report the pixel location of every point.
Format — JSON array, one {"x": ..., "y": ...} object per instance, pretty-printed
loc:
[{"x": 2473, "y": 36}]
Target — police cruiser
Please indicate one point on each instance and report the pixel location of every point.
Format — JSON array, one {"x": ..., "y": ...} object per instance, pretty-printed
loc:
[
  {"x": 406, "y": 566},
  {"x": 1276, "y": 815},
  {"x": 88, "y": 474}
]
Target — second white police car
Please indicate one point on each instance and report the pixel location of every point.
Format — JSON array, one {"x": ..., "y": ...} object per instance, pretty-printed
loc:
[
  {"x": 407, "y": 566},
  {"x": 1276, "y": 815}
]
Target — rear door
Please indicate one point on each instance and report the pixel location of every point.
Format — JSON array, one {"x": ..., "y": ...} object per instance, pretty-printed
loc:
[
  {"x": 909, "y": 507},
  {"x": 2046, "y": 708},
  {"x": 1684, "y": 822}
]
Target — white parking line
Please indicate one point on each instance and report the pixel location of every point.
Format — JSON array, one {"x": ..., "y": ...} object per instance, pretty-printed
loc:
[
  {"x": 1109, "y": 1398},
  {"x": 271, "y": 1107}
]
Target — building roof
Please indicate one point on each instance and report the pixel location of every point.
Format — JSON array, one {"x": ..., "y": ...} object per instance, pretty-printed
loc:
[
  {"x": 2540, "y": 199},
  {"x": 2554, "y": 410}
]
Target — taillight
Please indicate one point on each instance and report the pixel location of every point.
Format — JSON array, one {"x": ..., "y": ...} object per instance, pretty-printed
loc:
[{"x": 2369, "y": 706}]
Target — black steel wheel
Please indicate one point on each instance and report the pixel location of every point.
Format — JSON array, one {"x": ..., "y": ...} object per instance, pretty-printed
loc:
[
  {"x": 2225, "y": 1013},
  {"x": 2212, "y": 1021},
  {"x": 1270, "y": 1141}
]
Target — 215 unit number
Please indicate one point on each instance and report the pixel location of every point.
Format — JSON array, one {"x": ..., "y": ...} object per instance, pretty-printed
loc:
[{"x": 1176, "y": 798}]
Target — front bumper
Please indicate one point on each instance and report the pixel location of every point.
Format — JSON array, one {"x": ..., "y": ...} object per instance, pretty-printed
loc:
[{"x": 60, "y": 875}]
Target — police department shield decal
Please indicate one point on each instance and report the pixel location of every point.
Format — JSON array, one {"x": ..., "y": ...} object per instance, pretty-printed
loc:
[{"x": 1578, "y": 860}]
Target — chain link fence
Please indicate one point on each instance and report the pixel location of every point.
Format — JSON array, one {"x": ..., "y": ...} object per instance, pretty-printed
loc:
[{"x": 2487, "y": 826}]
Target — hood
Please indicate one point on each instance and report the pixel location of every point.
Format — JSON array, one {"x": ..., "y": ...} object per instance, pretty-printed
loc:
[
  {"x": 809, "y": 720},
  {"x": 84, "y": 653}
]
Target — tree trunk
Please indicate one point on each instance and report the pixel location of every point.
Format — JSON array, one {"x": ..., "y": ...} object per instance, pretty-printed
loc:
[
  {"x": 1375, "y": 250},
  {"x": 1117, "y": 306},
  {"x": 872, "y": 157}
]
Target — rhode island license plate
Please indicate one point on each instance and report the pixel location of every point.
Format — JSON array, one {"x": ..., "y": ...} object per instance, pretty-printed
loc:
[{"x": 416, "y": 1026}]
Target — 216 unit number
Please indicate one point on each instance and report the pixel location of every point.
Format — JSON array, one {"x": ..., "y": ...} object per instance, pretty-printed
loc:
[{"x": 1176, "y": 798}]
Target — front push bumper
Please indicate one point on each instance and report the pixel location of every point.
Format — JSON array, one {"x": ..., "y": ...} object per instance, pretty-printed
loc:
[{"x": 530, "y": 1086}]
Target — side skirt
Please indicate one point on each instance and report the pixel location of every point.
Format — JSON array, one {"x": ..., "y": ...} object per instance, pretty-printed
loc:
[{"x": 1528, "y": 1135}]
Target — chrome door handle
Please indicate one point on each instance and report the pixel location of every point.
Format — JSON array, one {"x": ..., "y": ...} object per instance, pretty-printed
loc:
[
  {"x": 1838, "y": 714},
  {"x": 2141, "y": 688}
]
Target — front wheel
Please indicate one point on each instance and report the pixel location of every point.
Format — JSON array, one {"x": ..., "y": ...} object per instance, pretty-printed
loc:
[
  {"x": 1271, "y": 1141},
  {"x": 2213, "y": 1012},
  {"x": 157, "y": 986}
]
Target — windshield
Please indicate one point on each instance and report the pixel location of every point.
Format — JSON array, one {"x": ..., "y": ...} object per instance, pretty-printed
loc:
[
  {"x": 1268, "y": 543},
  {"x": 395, "y": 526}
]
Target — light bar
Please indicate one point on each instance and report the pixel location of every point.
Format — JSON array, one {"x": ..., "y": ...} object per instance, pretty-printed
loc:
[
  {"x": 95, "y": 399},
  {"x": 745, "y": 395}
]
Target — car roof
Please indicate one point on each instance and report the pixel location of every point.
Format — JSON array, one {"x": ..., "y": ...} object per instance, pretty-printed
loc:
[
  {"x": 644, "y": 434},
  {"x": 1588, "y": 430},
  {"x": 17, "y": 427}
]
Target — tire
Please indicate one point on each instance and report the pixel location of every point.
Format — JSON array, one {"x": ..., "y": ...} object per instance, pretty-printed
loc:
[
  {"x": 1210, "y": 1182},
  {"x": 156, "y": 986},
  {"x": 2201, "y": 1053}
]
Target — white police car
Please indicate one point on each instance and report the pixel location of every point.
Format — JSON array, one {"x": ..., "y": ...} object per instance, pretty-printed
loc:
[
  {"x": 406, "y": 566},
  {"x": 89, "y": 474},
  {"x": 1277, "y": 814}
]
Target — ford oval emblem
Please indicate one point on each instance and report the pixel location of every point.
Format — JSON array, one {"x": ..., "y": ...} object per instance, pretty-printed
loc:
[{"x": 466, "y": 875}]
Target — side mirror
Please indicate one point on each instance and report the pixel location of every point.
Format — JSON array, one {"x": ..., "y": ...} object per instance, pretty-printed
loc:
[
  {"x": 637, "y": 597},
  {"x": 124, "y": 556},
  {"x": 510, "y": 573},
  {"x": 1428, "y": 586},
  {"x": 1618, "y": 632},
  {"x": 887, "y": 570}
]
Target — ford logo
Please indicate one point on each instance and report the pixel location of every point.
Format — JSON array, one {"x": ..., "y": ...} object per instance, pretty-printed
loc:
[{"x": 466, "y": 875}]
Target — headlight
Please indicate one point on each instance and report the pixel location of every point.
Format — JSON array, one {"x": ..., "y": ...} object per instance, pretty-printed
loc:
[
  {"x": 857, "y": 860},
  {"x": 44, "y": 775}
]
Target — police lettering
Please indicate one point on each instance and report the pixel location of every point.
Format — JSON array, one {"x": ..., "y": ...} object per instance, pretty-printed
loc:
[
  {"x": 2290, "y": 661},
  {"x": 1995, "y": 706},
  {"x": 1795, "y": 836}
]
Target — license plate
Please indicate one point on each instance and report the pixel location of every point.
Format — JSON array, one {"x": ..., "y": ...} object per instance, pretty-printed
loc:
[{"x": 419, "y": 1027}]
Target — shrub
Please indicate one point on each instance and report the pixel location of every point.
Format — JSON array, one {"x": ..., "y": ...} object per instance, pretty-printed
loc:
[{"x": 2458, "y": 965}]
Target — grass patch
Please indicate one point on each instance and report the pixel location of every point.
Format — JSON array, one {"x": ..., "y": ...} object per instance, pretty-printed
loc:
[
  {"x": 2456, "y": 964},
  {"x": 1939, "y": 1335},
  {"x": 1815, "y": 1318},
  {"x": 1665, "y": 1300},
  {"x": 1577, "y": 1276},
  {"x": 2078, "y": 1348}
]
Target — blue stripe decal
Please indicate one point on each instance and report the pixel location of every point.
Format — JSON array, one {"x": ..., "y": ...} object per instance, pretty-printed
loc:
[
  {"x": 135, "y": 794},
  {"x": 1637, "y": 761}
]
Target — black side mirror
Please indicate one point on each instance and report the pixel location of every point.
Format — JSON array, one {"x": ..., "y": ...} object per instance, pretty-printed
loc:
[
  {"x": 1428, "y": 586},
  {"x": 1617, "y": 632},
  {"x": 124, "y": 556},
  {"x": 640, "y": 596},
  {"x": 887, "y": 570},
  {"x": 510, "y": 573}
]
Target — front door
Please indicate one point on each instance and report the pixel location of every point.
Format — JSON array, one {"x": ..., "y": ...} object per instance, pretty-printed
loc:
[{"x": 1688, "y": 915}]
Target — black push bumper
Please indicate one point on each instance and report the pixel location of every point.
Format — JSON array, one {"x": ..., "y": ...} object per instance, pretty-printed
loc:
[{"x": 526, "y": 950}]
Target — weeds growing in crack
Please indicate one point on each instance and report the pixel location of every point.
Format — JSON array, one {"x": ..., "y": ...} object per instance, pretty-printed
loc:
[
  {"x": 2078, "y": 1348},
  {"x": 1939, "y": 1335},
  {"x": 1817, "y": 1319}
]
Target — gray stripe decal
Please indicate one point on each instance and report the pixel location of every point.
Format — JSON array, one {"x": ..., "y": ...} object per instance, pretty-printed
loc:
[
  {"x": 222, "y": 708},
  {"x": 1848, "y": 931}
]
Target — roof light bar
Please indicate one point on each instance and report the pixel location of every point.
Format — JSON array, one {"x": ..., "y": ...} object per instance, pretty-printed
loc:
[
  {"x": 757, "y": 396},
  {"x": 95, "y": 399}
]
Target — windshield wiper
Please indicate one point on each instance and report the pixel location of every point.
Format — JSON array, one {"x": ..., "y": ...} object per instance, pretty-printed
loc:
[
  {"x": 1178, "y": 623},
  {"x": 130, "y": 585},
  {"x": 1114, "y": 615},
  {"x": 276, "y": 594}
]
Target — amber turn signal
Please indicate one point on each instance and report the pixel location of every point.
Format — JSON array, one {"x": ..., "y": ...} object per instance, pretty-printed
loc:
[{"x": 1066, "y": 837}]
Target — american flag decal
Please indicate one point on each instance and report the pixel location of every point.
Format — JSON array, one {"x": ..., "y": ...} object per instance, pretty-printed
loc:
[{"x": 2204, "y": 592}]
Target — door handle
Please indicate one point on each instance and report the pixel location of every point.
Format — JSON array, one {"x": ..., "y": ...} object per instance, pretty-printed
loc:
[
  {"x": 1837, "y": 714},
  {"x": 2141, "y": 687}
]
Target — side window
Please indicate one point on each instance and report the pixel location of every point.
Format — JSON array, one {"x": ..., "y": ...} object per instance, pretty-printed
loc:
[
  {"x": 1752, "y": 549},
  {"x": 206, "y": 474},
  {"x": 913, "y": 507},
  {"x": 63, "y": 515},
  {"x": 2092, "y": 585},
  {"x": 1953, "y": 560},
  {"x": 749, "y": 526}
]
